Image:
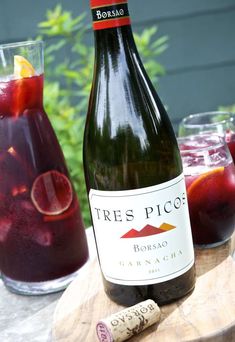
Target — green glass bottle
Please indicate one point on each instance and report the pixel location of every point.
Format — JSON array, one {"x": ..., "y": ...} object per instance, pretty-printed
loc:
[{"x": 133, "y": 172}]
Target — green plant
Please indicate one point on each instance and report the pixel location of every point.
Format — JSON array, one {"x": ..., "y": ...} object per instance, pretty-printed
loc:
[
  {"x": 68, "y": 71},
  {"x": 230, "y": 109}
]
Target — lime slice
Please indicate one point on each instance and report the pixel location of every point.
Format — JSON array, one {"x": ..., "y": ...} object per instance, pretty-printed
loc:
[{"x": 52, "y": 193}]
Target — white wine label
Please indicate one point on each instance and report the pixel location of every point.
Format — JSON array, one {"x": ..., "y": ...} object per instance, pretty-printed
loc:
[{"x": 143, "y": 236}]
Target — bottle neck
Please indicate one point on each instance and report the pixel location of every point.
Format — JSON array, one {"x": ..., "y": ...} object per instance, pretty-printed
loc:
[
  {"x": 117, "y": 42},
  {"x": 112, "y": 31}
]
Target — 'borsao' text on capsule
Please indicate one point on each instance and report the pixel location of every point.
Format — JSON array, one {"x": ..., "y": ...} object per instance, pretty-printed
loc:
[{"x": 109, "y": 14}]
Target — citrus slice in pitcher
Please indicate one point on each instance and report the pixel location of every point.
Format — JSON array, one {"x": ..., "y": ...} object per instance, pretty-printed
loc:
[
  {"x": 52, "y": 193},
  {"x": 27, "y": 86},
  {"x": 206, "y": 186},
  {"x": 22, "y": 67}
]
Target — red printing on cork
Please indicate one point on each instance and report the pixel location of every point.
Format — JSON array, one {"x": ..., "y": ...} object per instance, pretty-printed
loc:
[
  {"x": 103, "y": 332},
  {"x": 101, "y": 3},
  {"x": 116, "y": 22}
]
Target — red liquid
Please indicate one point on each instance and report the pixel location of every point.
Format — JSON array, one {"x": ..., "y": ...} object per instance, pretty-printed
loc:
[
  {"x": 211, "y": 202},
  {"x": 230, "y": 139},
  {"x": 35, "y": 245}
]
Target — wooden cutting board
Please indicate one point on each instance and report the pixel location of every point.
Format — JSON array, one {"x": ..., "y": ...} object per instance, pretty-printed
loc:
[{"x": 207, "y": 314}]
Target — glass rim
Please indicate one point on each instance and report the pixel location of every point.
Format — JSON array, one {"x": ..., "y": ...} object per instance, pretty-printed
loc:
[
  {"x": 209, "y": 124},
  {"x": 219, "y": 142},
  {"x": 21, "y": 44}
]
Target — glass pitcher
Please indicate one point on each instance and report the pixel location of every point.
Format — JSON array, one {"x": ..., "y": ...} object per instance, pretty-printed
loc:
[
  {"x": 219, "y": 123},
  {"x": 42, "y": 237}
]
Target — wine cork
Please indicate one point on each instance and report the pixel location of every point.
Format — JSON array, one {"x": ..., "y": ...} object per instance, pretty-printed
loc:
[{"x": 128, "y": 322}]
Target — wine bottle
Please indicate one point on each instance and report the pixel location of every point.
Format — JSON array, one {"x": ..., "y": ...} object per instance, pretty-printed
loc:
[{"x": 133, "y": 172}]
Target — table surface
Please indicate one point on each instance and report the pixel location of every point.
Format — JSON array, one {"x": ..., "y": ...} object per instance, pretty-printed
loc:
[{"x": 29, "y": 318}]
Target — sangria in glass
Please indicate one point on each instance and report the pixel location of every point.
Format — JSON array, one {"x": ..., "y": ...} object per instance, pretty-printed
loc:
[
  {"x": 220, "y": 123},
  {"x": 210, "y": 183},
  {"x": 42, "y": 237}
]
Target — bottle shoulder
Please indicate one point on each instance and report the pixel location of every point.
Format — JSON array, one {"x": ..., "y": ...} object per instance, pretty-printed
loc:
[
  {"x": 128, "y": 134},
  {"x": 122, "y": 90},
  {"x": 125, "y": 104}
]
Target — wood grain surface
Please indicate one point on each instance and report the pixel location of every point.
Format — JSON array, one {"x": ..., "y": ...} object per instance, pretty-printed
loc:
[{"x": 207, "y": 314}]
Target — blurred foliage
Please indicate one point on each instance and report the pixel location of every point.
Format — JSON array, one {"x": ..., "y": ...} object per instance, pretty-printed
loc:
[
  {"x": 229, "y": 109},
  {"x": 68, "y": 77}
]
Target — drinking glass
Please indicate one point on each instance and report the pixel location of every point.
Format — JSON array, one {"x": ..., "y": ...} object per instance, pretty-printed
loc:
[
  {"x": 210, "y": 183},
  {"x": 42, "y": 237},
  {"x": 221, "y": 123}
]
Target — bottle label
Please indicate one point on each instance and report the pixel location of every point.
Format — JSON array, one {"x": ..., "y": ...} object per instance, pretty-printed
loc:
[
  {"x": 143, "y": 236},
  {"x": 109, "y": 13}
]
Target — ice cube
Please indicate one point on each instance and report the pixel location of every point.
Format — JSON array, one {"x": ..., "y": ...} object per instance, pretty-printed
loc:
[
  {"x": 5, "y": 226},
  {"x": 12, "y": 151},
  {"x": 43, "y": 238},
  {"x": 17, "y": 190}
]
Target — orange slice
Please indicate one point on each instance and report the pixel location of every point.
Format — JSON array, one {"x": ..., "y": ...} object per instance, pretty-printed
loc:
[
  {"x": 22, "y": 67},
  {"x": 203, "y": 179}
]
